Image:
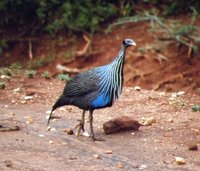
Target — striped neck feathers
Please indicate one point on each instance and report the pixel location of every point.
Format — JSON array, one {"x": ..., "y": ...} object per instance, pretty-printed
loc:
[{"x": 111, "y": 76}]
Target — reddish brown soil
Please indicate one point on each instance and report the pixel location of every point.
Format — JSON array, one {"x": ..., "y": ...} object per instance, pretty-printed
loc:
[{"x": 151, "y": 148}]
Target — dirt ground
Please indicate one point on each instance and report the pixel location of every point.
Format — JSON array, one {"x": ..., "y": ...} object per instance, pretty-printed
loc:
[{"x": 152, "y": 148}]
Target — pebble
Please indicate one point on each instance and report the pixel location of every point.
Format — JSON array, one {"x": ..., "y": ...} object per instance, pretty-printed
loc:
[
  {"x": 192, "y": 146},
  {"x": 120, "y": 165},
  {"x": 23, "y": 102},
  {"x": 137, "y": 88},
  {"x": 96, "y": 156},
  {"x": 5, "y": 77},
  {"x": 196, "y": 131},
  {"x": 69, "y": 131},
  {"x": 180, "y": 93},
  {"x": 8, "y": 163},
  {"x": 109, "y": 152},
  {"x": 50, "y": 142},
  {"x": 147, "y": 121},
  {"x": 142, "y": 166},
  {"x": 17, "y": 89},
  {"x": 41, "y": 135},
  {"x": 180, "y": 160},
  {"x": 28, "y": 97}
]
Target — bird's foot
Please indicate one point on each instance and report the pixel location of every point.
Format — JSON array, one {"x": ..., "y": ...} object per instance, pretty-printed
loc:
[
  {"x": 80, "y": 127},
  {"x": 97, "y": 139}
]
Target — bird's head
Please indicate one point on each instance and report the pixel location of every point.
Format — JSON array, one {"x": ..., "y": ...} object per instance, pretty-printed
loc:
[{"x": 128, "y": 42}]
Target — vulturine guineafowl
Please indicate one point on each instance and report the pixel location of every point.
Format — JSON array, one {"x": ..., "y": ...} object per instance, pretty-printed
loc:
[{"x": 95, "y": 89}]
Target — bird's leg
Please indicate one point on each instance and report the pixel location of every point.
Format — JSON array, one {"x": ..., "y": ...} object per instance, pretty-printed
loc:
[
  {"x": 91, "y": 124},
  {"x": 80, "y": 126}
]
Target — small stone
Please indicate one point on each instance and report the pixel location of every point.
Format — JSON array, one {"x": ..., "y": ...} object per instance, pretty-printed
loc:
[
  {"x": 52, "y": 129},
  {"x": 180, "y": 93},
  {"x": 5, "y": 77},
  {"x": 96, "y": 156},
  {"x": 162, "y": 93},
  {"x": 23, "y": 102},
  {"x": 69, "y": 131},
  {"x": 13, "y": 101},
  {"x": 120, "y": 165},
  {"x": 180, "y": 160},
  {"x": 8, "y": 163},
  {"x": 41, "y": 135},
  {"x": 137, "y": 88},
  {"x": 192, "y": 146},
  {"x": 195, "y": 131},
  {"x": 29, "y": 119},
  {"x": 142, "y": 166},
  {"x": 109, "y": 152},
  {"x": 50, "y": 142},
  {"x": 17, "y": 89},
  {"x": 147, "y": 121},
  {"x": 28, "y": 97}
]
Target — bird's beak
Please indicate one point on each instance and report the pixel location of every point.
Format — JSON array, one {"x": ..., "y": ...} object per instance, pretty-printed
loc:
[{"x": 133, "y": 44}]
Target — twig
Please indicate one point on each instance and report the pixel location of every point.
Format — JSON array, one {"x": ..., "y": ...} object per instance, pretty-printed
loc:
[
  {"x": 30, "y": 50},
  {"x": 62, "y": 68},
  {"x": 85, "y": 48}
]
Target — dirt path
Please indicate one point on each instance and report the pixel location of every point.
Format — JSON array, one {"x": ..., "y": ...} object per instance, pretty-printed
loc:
[{"x": 152, "y": 148}]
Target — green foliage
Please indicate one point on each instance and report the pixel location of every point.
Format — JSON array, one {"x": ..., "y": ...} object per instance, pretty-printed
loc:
[
  {"x": 173, "y": 7},
  {"x": 46, "y": 74},
  {"x": 63, "y": 77},
  {"x": 173, "y": 30},
  {"x": 5, "y": 71},
  {"x": 37, "y": 63},
  {"x": 15, "y": 67},
  {"x": 81, "y": 16},
  {"x": 30, "y": 73}
]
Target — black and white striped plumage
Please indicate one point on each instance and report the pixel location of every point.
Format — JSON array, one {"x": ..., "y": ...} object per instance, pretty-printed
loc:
[{"x": 96, "y": 88}]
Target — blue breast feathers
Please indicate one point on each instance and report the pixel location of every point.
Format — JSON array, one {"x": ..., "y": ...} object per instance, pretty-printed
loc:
[{"x": 101, "y": 101}]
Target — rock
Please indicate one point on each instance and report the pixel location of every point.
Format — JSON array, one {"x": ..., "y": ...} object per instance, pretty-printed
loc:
[
  {"x": 28, "y": 97},
  {"x": 41, "y": 135},
  {"x": 5, "y": 77},
  {"x": 109, "y": 152},
  {"x": 17, "y": 89},
  {"x": 180, "y": 160},
  {"x": 120, "y": 165},
  {"x": 69, "y": 131},
  {"x": 147, "y": 121},
  {"x": 192, "y": 146},
  {"x": 96, "y": 156},
  {"x": 50, "y": 142},
  {"x": 8, "y": 163},
  {"x": 137, "y": 88},
  {"x": 122, "y": 123},
  {"x": 180, "y": 93}
]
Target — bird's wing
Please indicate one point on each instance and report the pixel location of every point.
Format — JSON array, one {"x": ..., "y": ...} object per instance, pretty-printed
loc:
[{"x": 81, "y": 84}]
